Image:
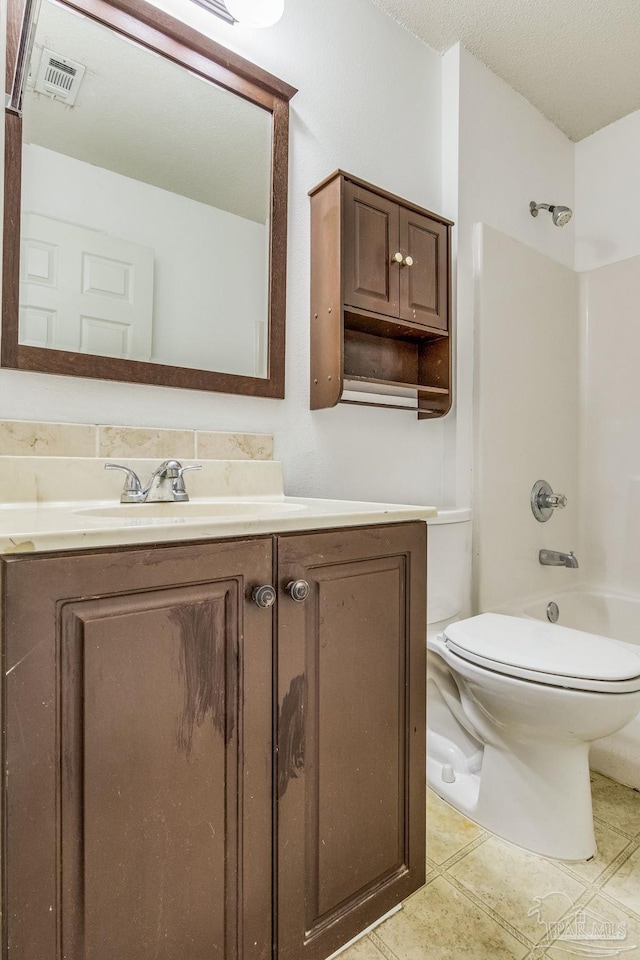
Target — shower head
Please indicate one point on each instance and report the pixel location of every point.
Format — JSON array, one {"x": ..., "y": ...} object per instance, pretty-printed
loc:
[{"x": 561, "y": 215}]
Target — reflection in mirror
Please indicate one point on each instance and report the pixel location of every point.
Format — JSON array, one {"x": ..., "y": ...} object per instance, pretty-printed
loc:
[
  {"x": 145, "y": 205},
  {"x": 153, "y": 206}
]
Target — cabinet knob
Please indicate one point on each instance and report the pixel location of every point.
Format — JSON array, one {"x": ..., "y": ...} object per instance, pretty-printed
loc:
[
  {"x": 408, "y": 262},
  {"x": 264, "y": 596},
  {"x": 397, "y": 258},
  {"x": 298, "y": 590}
]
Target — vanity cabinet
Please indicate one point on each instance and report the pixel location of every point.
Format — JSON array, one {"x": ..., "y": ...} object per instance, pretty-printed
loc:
[
  {"x": 172, "y": 750},
  {"x": 380, "y": 300}
]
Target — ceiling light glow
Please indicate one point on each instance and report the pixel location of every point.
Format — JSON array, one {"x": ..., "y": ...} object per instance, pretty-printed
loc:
[{"x": 256, "y": 13}]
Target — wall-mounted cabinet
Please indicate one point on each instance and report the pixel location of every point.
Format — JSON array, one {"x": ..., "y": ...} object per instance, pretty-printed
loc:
[{"x": 380, "y": 300}]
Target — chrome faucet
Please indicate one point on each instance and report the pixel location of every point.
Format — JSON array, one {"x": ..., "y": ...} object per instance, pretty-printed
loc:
[
  {"x": 554, "y": 558},
  {"x": 166, "y": 484}
]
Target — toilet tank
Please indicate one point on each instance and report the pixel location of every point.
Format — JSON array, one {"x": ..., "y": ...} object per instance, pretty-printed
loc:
[{"x": 448, "y": 563}]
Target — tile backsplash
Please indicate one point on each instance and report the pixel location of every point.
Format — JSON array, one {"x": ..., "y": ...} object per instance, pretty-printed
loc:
[{"x": 22, "y": 438}]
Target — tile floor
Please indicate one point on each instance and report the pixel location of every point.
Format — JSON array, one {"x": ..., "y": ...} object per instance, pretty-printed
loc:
[{"x": 485, "y": 899}]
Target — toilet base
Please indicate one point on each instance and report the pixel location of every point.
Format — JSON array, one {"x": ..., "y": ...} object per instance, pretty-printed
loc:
[
  {"x": 548, "y": 806},
  {"x": 553, "y": 819}
]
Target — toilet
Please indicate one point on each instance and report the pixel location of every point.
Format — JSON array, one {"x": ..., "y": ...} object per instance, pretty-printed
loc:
[{"x": 513, "y": 706}]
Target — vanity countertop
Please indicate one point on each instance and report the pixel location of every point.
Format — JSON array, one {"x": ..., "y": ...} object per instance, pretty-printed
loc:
[{"x": 60, "y": 503}]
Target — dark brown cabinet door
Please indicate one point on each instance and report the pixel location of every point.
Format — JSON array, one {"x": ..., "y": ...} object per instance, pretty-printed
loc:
[
  {"x": 371, "y": 275},
  {"x": 138, "y": 751},
  {"x": 424, "y": 284},
  {"x": 351, "y": 733}
]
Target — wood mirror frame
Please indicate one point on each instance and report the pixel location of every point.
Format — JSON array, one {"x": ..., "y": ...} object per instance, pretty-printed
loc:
[{"x": 151, "y": 28}]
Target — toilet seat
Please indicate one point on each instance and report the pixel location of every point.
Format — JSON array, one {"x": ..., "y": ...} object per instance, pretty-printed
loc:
[{"x": 545, "y": 653}]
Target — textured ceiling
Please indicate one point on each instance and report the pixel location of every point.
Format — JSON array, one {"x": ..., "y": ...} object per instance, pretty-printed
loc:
[
  {"x": 577, "y": 61},
  {"x": 144, "y": 117}
]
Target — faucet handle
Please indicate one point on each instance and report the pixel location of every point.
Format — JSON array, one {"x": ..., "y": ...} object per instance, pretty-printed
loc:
[
  {"x": 179, "y": 489},
  {"x": 556, "y": 501},
  {"x": 132, "y": 492},
  {"x": 544, "y": 501}
]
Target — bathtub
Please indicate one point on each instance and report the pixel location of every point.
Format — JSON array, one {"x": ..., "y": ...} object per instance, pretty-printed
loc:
[{"x": 609, "y": 615}]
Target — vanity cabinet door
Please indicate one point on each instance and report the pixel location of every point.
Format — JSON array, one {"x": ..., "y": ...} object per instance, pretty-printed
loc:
[
  {"x": 138, "y": 746},
  {"x": 351, "y": 733},
  {"x": 371, "y": 276},
  {"x": 424, "y": 284}
]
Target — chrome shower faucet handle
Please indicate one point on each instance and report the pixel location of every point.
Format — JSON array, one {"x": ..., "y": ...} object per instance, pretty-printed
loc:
[{"x": 544, "y": 501}]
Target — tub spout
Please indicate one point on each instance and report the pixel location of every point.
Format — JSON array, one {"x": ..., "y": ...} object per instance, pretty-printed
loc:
[{"x": 554, "y": 558}]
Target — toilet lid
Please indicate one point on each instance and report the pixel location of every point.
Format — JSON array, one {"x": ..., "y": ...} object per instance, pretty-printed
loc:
[{"x": 524, "y": 646}]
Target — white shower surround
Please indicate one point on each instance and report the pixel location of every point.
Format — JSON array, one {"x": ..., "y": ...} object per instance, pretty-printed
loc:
[{"x": 577, "y": 377}]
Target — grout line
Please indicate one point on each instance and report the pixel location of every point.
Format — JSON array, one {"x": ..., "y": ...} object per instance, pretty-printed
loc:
[
  {"x": 580, "y": 903},
  {"x": 430, "y": 877},
  {"x": 583, "y": 903},
  {"x": 462, "y": 852},
  {"x": 538, "y": 952},
  {"x": 622, "y": 907},
  {"x": 619, "y": 861},
  {"x": 568, "y": 872},
  {"x": 380, "y": 945},
  {"x": 614, "y": 829},
  {"x": 374, "y": 945},
  {"x": 585, "y": 897},
  {"x": 490, "y": 912},
  {"x": 605, "y": 873}
]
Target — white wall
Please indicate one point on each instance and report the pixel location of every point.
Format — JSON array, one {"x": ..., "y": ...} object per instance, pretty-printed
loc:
[
  {"x": 509, "y": 155},
  {"x": 608, "y": 256},
  {"x": 369, "y": 102},
  {"x": 610, "y": 458},
  {"x": 608, "y": 195},
  {"x": 527, "y": 415},
  {"x": 210, "y": 283}
]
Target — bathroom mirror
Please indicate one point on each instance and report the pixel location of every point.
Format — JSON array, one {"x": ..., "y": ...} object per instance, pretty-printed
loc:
[{"x": 145, "y": 201}]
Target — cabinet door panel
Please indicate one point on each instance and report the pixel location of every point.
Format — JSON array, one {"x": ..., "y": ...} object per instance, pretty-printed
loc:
[
  {"x": 351, "y": 733},
  {"x": 370, "y": 241},
  {"x": 154, "y": 781},
  {"x": 424, "y": 285}
]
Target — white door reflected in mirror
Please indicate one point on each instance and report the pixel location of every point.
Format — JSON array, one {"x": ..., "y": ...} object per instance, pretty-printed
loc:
[{"x": 84, "y": 291}]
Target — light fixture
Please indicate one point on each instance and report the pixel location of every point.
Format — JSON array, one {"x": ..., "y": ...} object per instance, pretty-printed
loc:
[
  {"x": 256, "y": 13},
  {"x": 249, "y": 13}
]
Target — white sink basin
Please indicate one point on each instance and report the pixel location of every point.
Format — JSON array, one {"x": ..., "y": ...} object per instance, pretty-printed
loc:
[{"x": 154, "y": 512}]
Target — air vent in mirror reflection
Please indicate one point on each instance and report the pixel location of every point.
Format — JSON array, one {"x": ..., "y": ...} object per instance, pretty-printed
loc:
[{"x": 58, "y": 77}]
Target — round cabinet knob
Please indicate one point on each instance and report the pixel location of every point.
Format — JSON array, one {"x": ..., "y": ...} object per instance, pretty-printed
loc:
[
  {"x": 298, "y": 590},
  {"x": 264, "y": 596},
  {"x": 408, "y": 261},
  {"x": 397, "y": 258}
]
